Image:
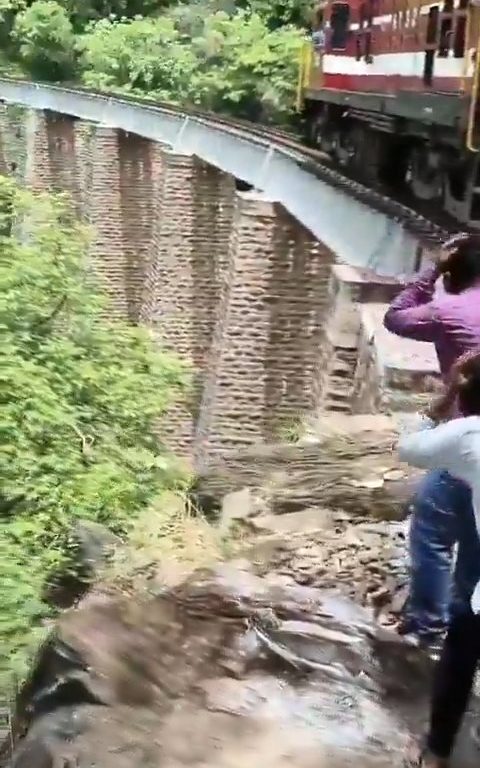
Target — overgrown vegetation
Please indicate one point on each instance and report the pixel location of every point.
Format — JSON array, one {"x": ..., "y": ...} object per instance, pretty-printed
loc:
[
  {"x": 235, "y": 57},
  {"x": 80, "y": 397},
  {"x": 168, "y": 541}
]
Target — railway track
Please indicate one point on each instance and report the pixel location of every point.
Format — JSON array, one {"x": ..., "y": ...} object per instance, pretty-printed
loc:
[
  {"x": 428, "y": 225},
  {"x": 431, "y": 227}
]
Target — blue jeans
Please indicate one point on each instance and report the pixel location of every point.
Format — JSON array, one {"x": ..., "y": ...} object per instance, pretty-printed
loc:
[{"x": 442, "y": 516}]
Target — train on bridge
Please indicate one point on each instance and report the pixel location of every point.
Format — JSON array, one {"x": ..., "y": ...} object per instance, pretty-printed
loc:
[{"x": 390, "y": 89}]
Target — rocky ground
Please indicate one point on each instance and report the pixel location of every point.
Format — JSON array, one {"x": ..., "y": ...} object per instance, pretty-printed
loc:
[
  {"x": 364, "y": 560},
  {"x": 282, "y": 656}
]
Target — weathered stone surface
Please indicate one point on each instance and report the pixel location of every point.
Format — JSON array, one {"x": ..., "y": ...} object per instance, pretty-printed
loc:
[
  {"x": 226, "y": 669},
  {"x": 351, "y": 467},
  {"x": 307, "y": 520},
  {"x": 361, "y": 559},
  {"x": 238, "y": 505},
  {"x": 392, "y": 374},
  {"x": 95, "y": 544},
  {"x": 13, "y": 140},
  {"x": 265, "y": 344},
  {"x": 229, "y": 281},
  {"x": 185, "y": 272},
  {"x": 334, "y": 371}
]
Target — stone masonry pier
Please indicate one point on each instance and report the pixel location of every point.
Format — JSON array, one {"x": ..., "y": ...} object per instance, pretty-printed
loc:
[{"x": 272, "y": 327}]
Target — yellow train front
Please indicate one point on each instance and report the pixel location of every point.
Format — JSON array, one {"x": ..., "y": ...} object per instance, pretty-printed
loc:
[{"x": 390, "y": 89}]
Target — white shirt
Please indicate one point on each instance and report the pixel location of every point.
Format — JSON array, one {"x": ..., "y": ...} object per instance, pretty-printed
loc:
[{"x": 453, "y": 446}]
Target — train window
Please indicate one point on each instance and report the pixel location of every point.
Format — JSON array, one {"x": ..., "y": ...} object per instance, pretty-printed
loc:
[
  {"x": 445, "y": 38},
  {"x": 457, "y": 181},
  {"x": 430, "y": 42},
  {"x": 339, "y": 22},
  {"x": 358, "y": 48},
  {"x": 368, "y": 47},
  {"x": 446, "y": 29},
  {"x": 362, "y": 14},
  {"x": 459, "y": 39},
  {"x": 432, "y": 25}
]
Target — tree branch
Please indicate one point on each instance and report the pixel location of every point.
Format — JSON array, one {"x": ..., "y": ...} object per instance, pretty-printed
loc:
[{"x": 56, "y": 310}]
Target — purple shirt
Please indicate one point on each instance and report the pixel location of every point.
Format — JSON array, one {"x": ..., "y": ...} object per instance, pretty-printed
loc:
[{"x": 450, "y": 321}]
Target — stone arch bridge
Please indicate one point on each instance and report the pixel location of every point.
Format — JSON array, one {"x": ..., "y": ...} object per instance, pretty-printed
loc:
[{"x": 266, "y": 293}]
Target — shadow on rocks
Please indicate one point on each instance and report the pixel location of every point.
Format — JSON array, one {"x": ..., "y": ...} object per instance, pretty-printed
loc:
[{"x": 225, "y": 670}]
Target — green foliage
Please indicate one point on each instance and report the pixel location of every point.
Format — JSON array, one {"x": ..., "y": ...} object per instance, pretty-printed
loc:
[
  {"x": 46, "y": 40},
  {"x": 8, "y": 8},
  {"x": 232, "y": 64},
  {"x": 240, "y": 58},
  {"x": 281, "y": 12},
  {"x": 23, "y": 612},
  {"x": 144, "y": 56},
  {"x": 80, "y": 397},
  {"x": 82, "y": 11},
  {"x": 8, "y": 12},
  {"x": 246, "y": 69}
]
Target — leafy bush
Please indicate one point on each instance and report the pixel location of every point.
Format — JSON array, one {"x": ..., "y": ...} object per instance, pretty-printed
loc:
[
  {"x": 277, "y": 13},
  {"x": 80, "y": 398},
  {"x": 244, "y": 68},
  {"x": 233, "y": 56},
  {"x": 233, "y": 64},
  {"x": 83, "y": 11},
  {"x": 144, "y": 56},
  {"x": 8, "y": 12},
  {"x": 46, "y": 40}
]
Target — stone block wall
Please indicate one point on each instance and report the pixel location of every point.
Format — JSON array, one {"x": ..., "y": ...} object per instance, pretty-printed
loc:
[
  {"x": 185, "y": 272},
  {"x": 392, "y": 374},
  {"x": 13, "y": 140},
  {"x": 227, "y": 280},
  {"x": 271, "y": 311},
  {"x": 349, "y": 289}
]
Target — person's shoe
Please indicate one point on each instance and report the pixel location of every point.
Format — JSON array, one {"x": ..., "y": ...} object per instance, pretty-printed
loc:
[
  {"x": 431, "y": 642},
  {"x": 432, "y": 645}
]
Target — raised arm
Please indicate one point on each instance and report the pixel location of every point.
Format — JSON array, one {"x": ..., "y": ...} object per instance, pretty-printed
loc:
[{"x": 412, "y": 313}]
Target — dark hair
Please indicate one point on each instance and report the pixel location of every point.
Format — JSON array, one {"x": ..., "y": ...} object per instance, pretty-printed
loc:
[
  {"x": 462, "y": 269},
  {"x": 469, "y": 389}
]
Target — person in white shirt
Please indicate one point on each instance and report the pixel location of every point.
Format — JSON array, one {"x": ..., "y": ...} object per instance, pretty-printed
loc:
[{"x": 454, "y": 446}]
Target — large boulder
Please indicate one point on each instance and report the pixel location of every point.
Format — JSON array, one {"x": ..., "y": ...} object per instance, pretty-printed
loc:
[{"x": 226, "y": 670}]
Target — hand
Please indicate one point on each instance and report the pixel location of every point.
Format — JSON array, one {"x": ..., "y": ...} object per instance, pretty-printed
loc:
[
  {"x": 442, "y": 406},
  {"x": 448, "y": 249},
  {"x": 459, "y": 369}
]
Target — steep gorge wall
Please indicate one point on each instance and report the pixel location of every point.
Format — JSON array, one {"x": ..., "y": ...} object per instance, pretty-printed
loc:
[{"x": 226, "y": 279}]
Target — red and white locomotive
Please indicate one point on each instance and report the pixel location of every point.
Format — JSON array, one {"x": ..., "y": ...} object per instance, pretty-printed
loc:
[{"x": 390, "y": 88}]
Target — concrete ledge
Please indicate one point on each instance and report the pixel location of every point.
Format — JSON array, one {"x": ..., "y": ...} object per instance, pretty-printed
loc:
[
  {"x": 363, "y": 285},
  {"x": 392, "y": 374},
  {"x": 392, "y": 352}
]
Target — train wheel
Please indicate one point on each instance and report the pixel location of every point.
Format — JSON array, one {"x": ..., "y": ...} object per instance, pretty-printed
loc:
[
  {"x": 363, "y": 151},
  {"x": 319, "y": 131},
  {"x": 342, "y": 148},
  {"x": 425, "y": 174}
]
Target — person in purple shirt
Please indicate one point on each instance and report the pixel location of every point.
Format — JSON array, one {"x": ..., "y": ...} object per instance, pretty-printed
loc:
[{"x": 450, "y": 319}]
